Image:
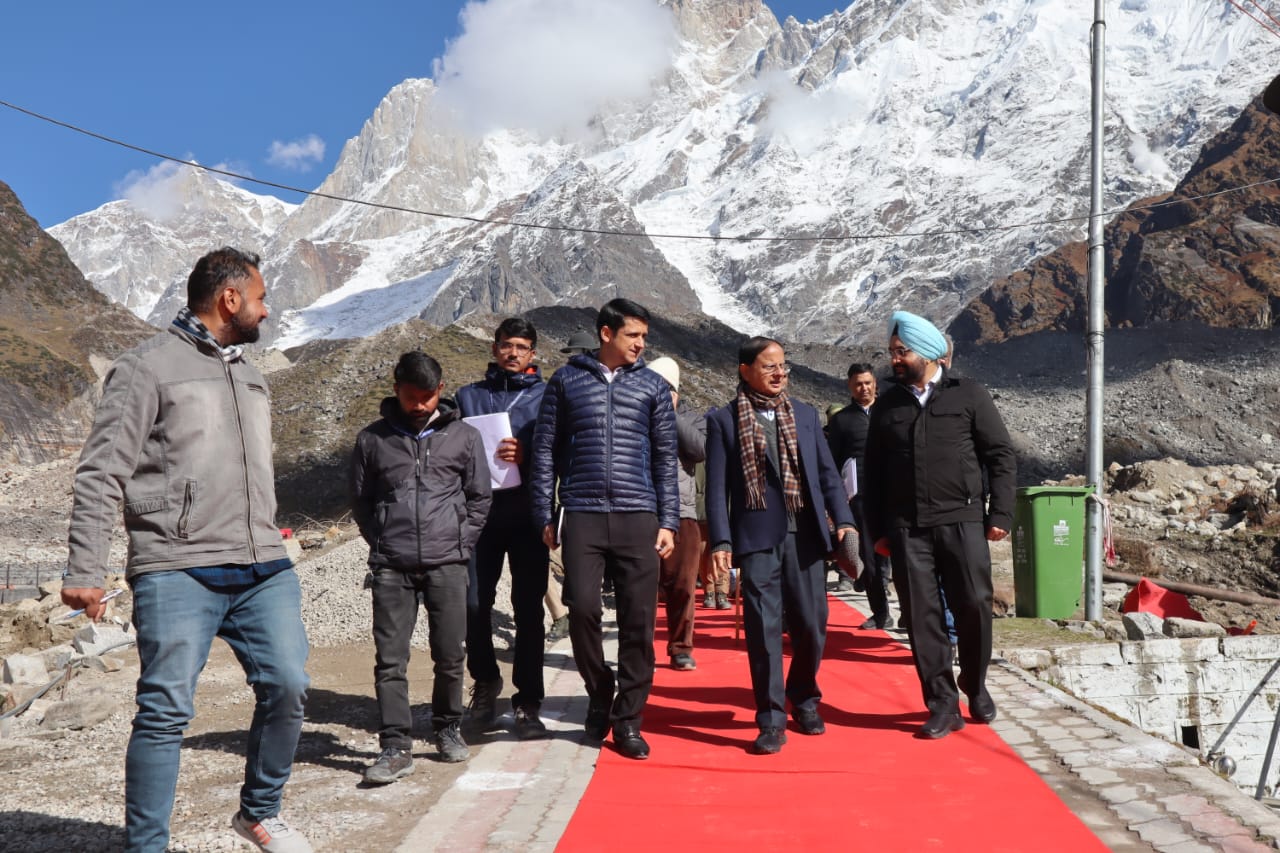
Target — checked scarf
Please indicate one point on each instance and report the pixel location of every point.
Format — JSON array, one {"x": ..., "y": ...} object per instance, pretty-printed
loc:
[
  {"x": 755, "y": 452},
  {"x": 190, "y": 323}
]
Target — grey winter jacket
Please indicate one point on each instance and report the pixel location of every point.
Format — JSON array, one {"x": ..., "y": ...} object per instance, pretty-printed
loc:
[
  {"x": 419, "y": 499},
  {"x": 181, "y": 440},
  {"x": 611, "y": 445},
  {"x": 691, "y": 443}
]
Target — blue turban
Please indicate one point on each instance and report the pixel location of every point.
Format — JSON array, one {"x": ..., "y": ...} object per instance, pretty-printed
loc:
[{"x": 918, "y": 334}]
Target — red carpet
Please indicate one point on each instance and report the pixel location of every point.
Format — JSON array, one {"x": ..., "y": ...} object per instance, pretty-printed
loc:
[{"x": 866, "y": 784}]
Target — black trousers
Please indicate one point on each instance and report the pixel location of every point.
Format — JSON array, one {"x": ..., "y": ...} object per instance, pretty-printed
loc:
[
  {"x": 443, "y": 589},
  {"x": 772, "y": 581},
  {"x": 875, "y": 566},
  {"x": 957, "y": 558},
  {"x": 509, "y": 533},
  {"x": 622, "y": 544}
]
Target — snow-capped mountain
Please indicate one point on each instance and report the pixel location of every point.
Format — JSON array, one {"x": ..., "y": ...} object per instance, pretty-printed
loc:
[
  {"x": 135, "y": 250},
  {"x": 805, "y": 179}
]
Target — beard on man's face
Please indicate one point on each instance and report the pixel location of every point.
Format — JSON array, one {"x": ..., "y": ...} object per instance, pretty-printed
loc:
[
  {"x": 246, "y": 328},
  {"x": 909, "y": 372}
]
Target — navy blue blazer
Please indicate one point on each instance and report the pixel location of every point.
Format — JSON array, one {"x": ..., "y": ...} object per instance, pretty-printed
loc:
[{"x": 729, "y": 520}]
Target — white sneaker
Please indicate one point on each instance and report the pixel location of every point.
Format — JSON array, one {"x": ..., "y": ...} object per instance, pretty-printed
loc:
[{"x": 271, "y": 834}]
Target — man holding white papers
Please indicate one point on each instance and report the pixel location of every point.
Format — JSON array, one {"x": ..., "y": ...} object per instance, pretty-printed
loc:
[
  {"x": 847, "y": 435},
  {"x": 513, "y": 387}
]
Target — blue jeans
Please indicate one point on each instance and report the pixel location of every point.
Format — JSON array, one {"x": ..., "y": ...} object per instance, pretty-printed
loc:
[{"x": 176, "y": 618}]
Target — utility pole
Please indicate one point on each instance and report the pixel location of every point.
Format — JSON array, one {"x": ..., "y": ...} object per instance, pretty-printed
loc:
[{"x": 1094, "y": 337}]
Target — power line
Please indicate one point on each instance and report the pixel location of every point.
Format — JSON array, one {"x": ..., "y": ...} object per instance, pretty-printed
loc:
[
  {"x": 512, "y": 223},
  {"x": 1256, "y": 19}
]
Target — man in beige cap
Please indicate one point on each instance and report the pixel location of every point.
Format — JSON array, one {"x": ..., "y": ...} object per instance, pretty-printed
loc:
[{"x": 679, "y": 572}]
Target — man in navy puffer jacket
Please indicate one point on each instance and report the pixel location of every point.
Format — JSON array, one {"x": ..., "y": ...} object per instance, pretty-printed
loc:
[{"x": 607, "y": 432}]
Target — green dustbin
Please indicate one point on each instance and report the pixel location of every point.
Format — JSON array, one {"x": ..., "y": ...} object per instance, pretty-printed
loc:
[{"x": 1048, "y": 550}]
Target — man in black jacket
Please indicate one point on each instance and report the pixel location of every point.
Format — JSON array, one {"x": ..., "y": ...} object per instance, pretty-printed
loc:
[
  {"x": 512, "y": 386},
  {"x": 420, "y": 495},
  {"x": 929, "y": 440},
  {"x": 607, "y": 433},
  {"x": 847, "y": 435}
]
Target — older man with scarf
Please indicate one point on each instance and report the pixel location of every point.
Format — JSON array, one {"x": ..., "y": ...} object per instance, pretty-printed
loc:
[{"x": 771, "y": 487}]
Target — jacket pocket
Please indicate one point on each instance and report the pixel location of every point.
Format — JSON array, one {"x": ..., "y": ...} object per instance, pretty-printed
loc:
[
  {"x": 188, "y": 507},
  {"x": 145, "y": 506}
]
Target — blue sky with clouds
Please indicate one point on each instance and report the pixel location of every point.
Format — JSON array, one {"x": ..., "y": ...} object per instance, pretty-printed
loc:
[{"x": 269, "y": 89}]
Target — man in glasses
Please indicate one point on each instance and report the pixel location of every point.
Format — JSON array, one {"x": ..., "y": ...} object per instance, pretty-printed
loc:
[
  {"x": 771, "y": 485},
  {"x": 930, "y": 438},
  {"x": 512, "y": 384}
]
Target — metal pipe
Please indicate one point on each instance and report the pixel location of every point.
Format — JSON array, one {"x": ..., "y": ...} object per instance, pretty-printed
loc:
[
  {"x": 1197, "y": 589},
  {"x": 1094, "y": 337}
]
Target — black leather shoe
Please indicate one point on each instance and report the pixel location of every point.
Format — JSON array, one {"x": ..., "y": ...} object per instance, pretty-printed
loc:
[
  {"x": 808, "y": 721},
  {"x": 769, "y": 741},
  {"x": 627, "y": 739},
  {"x": 874, "y": 624},
  {"x": 597, "y": 722},
  {"x": 941, "y": 724},
  {"x": 982, "y": 708}
]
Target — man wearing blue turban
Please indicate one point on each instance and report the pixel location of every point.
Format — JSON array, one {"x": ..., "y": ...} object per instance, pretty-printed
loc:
[{"x": 930, "y": 439}]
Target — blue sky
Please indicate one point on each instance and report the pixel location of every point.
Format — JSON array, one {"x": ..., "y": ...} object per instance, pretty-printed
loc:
[{"x": 270, "y": 89}]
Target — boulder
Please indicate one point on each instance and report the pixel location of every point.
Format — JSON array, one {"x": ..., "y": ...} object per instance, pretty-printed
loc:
[
  {"x": 82, "y": 712},
  {"x": 1143, "y": 626},
  {"x": 1188, "y": 628},
  {"x": 25, "y": 669}
]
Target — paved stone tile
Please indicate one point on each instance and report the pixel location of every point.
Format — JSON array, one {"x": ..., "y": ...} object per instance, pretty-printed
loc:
[
  {"x": 1162, "y": 831},
  {"x": 1138, "y": 811},
  {"x": 1116, "y": 794}
]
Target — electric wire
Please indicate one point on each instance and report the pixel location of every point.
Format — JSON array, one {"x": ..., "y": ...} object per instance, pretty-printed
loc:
[
  {"x": 542, "y": 226},
  {"x": 1266, "y": 12},
  {"x": 1258, "y": 20}
]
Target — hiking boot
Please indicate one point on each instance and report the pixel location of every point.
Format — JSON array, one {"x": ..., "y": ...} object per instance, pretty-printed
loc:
[
  {"x": 843, "y": 584},
  {"x": 683, "y": 661},
  {"x": 528, "y": 726},
  {"x": 484, "y": 703},
  {"x": 391, "y": 765},
  {"x": 451, "y": 745},
  {"x": 271, "y": 834},
  {"x": 559, "y": 629},
  {"x": 722, "y": 602}
]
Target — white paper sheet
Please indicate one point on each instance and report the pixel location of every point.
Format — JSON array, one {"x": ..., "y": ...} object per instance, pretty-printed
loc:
[
  {"x": 493, "y": 429},
  {"x": 850, "y": 475}
]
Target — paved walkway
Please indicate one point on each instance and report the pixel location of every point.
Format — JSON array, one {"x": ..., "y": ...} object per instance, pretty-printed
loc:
[{"x": 1134, "y": 791}]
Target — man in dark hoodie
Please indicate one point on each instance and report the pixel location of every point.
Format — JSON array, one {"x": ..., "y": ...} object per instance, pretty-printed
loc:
[
  {"x": 420, "y": 495},
  {"x": 513, "y": 385}
]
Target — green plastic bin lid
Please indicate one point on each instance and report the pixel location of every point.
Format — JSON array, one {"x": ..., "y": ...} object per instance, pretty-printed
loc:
[{"x": 1033, "y": 491}]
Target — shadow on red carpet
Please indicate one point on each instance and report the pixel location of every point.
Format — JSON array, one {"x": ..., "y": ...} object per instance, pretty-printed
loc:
[{"x": 867, "y": 784}]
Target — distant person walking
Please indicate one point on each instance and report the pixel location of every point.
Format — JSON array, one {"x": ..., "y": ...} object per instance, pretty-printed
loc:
[
  {"x": 929, "y": 440},
  {"x": 679, "y": 571},
  {"x": 607, "y": 434},
  {"x": 182, "y": 442},
  {"x": 772, "y": 488},
  {"x": 512, "y": 385},
  {"x": 420, "y": 495},
  {"x": 847, "y": 435}
]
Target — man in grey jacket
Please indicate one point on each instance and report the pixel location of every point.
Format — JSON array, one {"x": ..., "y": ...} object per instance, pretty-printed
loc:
[
  {"x": 420, "y": 496},
  {"x": 182, "y": 441}
]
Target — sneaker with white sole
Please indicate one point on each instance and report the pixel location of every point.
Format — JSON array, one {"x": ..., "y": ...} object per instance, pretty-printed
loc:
[{"x": 271, "y": 834}]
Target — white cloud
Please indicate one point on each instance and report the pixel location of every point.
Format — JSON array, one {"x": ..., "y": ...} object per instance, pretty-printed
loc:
[
  {"x": 806, "y": 119},
  {"x": 551, "y": 65},
  {"x": 299, "y": 155},
  {"x": 159, "y": 192},
  {"x": 170, "y": 188}
]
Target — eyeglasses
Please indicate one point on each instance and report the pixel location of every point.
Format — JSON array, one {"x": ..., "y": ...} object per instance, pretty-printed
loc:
[
  {"x": 899, "y": 352},
  {"x": 519, "y": 349},
  {"x": 783, "y": 368}
]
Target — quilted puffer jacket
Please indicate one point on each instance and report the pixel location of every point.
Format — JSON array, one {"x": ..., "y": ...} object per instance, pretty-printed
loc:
[{"x": 611, "y": 445}]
